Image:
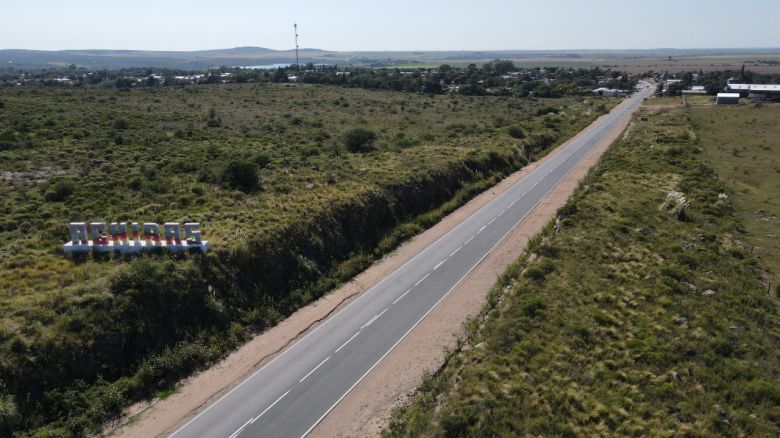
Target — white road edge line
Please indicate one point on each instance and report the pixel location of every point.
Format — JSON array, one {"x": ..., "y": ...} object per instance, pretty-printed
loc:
[
  {"x": 445, "y": 295},
  {"x": 438, "y": 265},
  {"x": 314, "y": 369}
]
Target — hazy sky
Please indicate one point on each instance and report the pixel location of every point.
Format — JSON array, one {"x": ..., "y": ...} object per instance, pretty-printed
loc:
[{"x": 388, "y": 25}]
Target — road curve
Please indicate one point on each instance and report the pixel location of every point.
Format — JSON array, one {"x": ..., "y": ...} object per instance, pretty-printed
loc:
[{"x": 291, "y": 394}]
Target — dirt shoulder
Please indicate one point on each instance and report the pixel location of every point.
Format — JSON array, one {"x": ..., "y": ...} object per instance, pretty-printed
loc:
[{"x": 366, "y": 409}]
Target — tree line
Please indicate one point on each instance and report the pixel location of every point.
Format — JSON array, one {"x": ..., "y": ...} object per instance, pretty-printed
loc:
[{"x": 498, "y": 77}]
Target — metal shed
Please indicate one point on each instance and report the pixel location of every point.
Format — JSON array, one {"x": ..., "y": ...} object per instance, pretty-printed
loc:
[{"x": 727, "y": 99}]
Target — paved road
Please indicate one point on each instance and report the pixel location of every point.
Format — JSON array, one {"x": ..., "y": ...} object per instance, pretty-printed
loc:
[{"x": 293, "y": 393}]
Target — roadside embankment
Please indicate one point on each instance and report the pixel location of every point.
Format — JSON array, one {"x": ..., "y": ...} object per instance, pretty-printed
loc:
[{"x": 639, "y": 310}]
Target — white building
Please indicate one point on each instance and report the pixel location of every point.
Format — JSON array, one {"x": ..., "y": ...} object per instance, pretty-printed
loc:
[
  {"x": 755, "y": 91},
  {"x": 727, "y": 99},
  {"x": 606, "y": 92}
]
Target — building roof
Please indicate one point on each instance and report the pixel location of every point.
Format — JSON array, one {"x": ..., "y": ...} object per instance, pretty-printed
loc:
[{"x": 754, "y": 87}]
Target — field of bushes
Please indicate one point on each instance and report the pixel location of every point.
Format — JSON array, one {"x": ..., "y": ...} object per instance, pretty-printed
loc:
[
  {"x": 639, "y": 311},
  {"x": 297, "y": 187}
]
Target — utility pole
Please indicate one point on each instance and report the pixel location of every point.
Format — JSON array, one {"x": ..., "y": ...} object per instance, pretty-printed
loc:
[{"x": 297, "y": 63}]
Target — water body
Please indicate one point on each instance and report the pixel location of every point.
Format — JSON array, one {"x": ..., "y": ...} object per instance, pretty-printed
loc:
[{"x": 274, "y": 66}]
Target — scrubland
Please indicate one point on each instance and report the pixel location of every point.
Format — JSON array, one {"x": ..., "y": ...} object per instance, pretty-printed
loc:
[
  {"x": 297, "y": 187},
  {"x": 642, "y": 309}
]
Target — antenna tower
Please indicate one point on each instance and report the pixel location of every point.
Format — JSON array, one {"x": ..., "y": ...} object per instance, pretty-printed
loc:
[{"x": 297, "y": 63}]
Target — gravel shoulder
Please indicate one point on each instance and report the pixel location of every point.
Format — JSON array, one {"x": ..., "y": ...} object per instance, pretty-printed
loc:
[{"x": 367, "y": 408}]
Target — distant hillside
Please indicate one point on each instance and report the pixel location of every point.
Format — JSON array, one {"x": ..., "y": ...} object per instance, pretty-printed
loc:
[
  {"x": 113, "y": 59},
  {"x": 657, "y": 59}
]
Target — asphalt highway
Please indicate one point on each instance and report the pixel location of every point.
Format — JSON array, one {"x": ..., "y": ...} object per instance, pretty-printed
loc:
[{"x": 291, "y": 394}]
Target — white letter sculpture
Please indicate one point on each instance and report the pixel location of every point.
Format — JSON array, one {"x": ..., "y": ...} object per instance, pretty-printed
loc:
[{"x": 115, "y": 237}]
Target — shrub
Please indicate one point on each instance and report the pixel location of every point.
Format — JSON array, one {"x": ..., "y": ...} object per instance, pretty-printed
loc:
[
  {"x": 532, "y": 304},
  {"x": 241, "y": 175},
  {"x": 359, "y": 139},
  {"x": 9, "y": 415},
  {"x": 546, "y": 110},
  {"x": 515, "y": 132},
  {"x": 59, "y": 191},
  {"x": 457, "y": 423},
  {"x": 121, "y": 124},
  {"x": 262, "y": 159}
]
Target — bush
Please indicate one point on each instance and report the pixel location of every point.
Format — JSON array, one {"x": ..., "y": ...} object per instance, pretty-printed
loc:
[
  {"x": 59, "y": 191},
  {"x": 457, "y": 423},
  {"x": 9, "y": 415},
  {"x": 515, "y": 132},
  {"x": 359, "y": 139},
  {"x": 241, "y": 175},
  {"x": 121, "y": 124},
  {"x": 262, "y": 159}
]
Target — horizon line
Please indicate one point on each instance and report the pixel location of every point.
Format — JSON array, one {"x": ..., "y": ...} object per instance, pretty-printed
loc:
[{"x": 405, "y": 50}]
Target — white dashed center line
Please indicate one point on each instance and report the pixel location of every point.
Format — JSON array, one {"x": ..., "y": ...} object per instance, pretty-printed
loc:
[
  {"x": 270, "y": 406},
  {"x": 421, "y": 280},
  {"x": 399, "y": 298},
  {"x": 439, "y": 264},
  {"x": 347, "y": 342},
  {"x": 314, "y": 369}
]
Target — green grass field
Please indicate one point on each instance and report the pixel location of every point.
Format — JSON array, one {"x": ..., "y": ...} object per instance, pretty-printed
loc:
[
  {"x": 743, "y": 144},
  {"x": 80, "y": 339},
  {"x": 639, "y": 311}
]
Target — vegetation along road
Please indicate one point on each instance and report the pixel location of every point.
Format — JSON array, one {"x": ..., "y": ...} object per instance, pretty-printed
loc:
[
  {"x": 640, "y": 310},
  {"x": 291, "y": 394}
]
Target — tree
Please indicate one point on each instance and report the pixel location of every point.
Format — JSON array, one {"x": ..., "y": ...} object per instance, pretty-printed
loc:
[
  {"x": 432, "y": 87},
  {"x": 359, "y": 139},
  {"x": 241, "y": 175},
  {"x": 503, "y": 67},
  {"x": 280, "y": 75}
]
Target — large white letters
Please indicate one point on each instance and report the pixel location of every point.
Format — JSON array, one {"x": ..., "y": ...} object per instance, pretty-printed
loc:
[{"x": 115, "y": 237}]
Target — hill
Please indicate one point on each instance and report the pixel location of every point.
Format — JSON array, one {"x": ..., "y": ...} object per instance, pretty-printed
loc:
[{"x": 632, "y": 60}]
